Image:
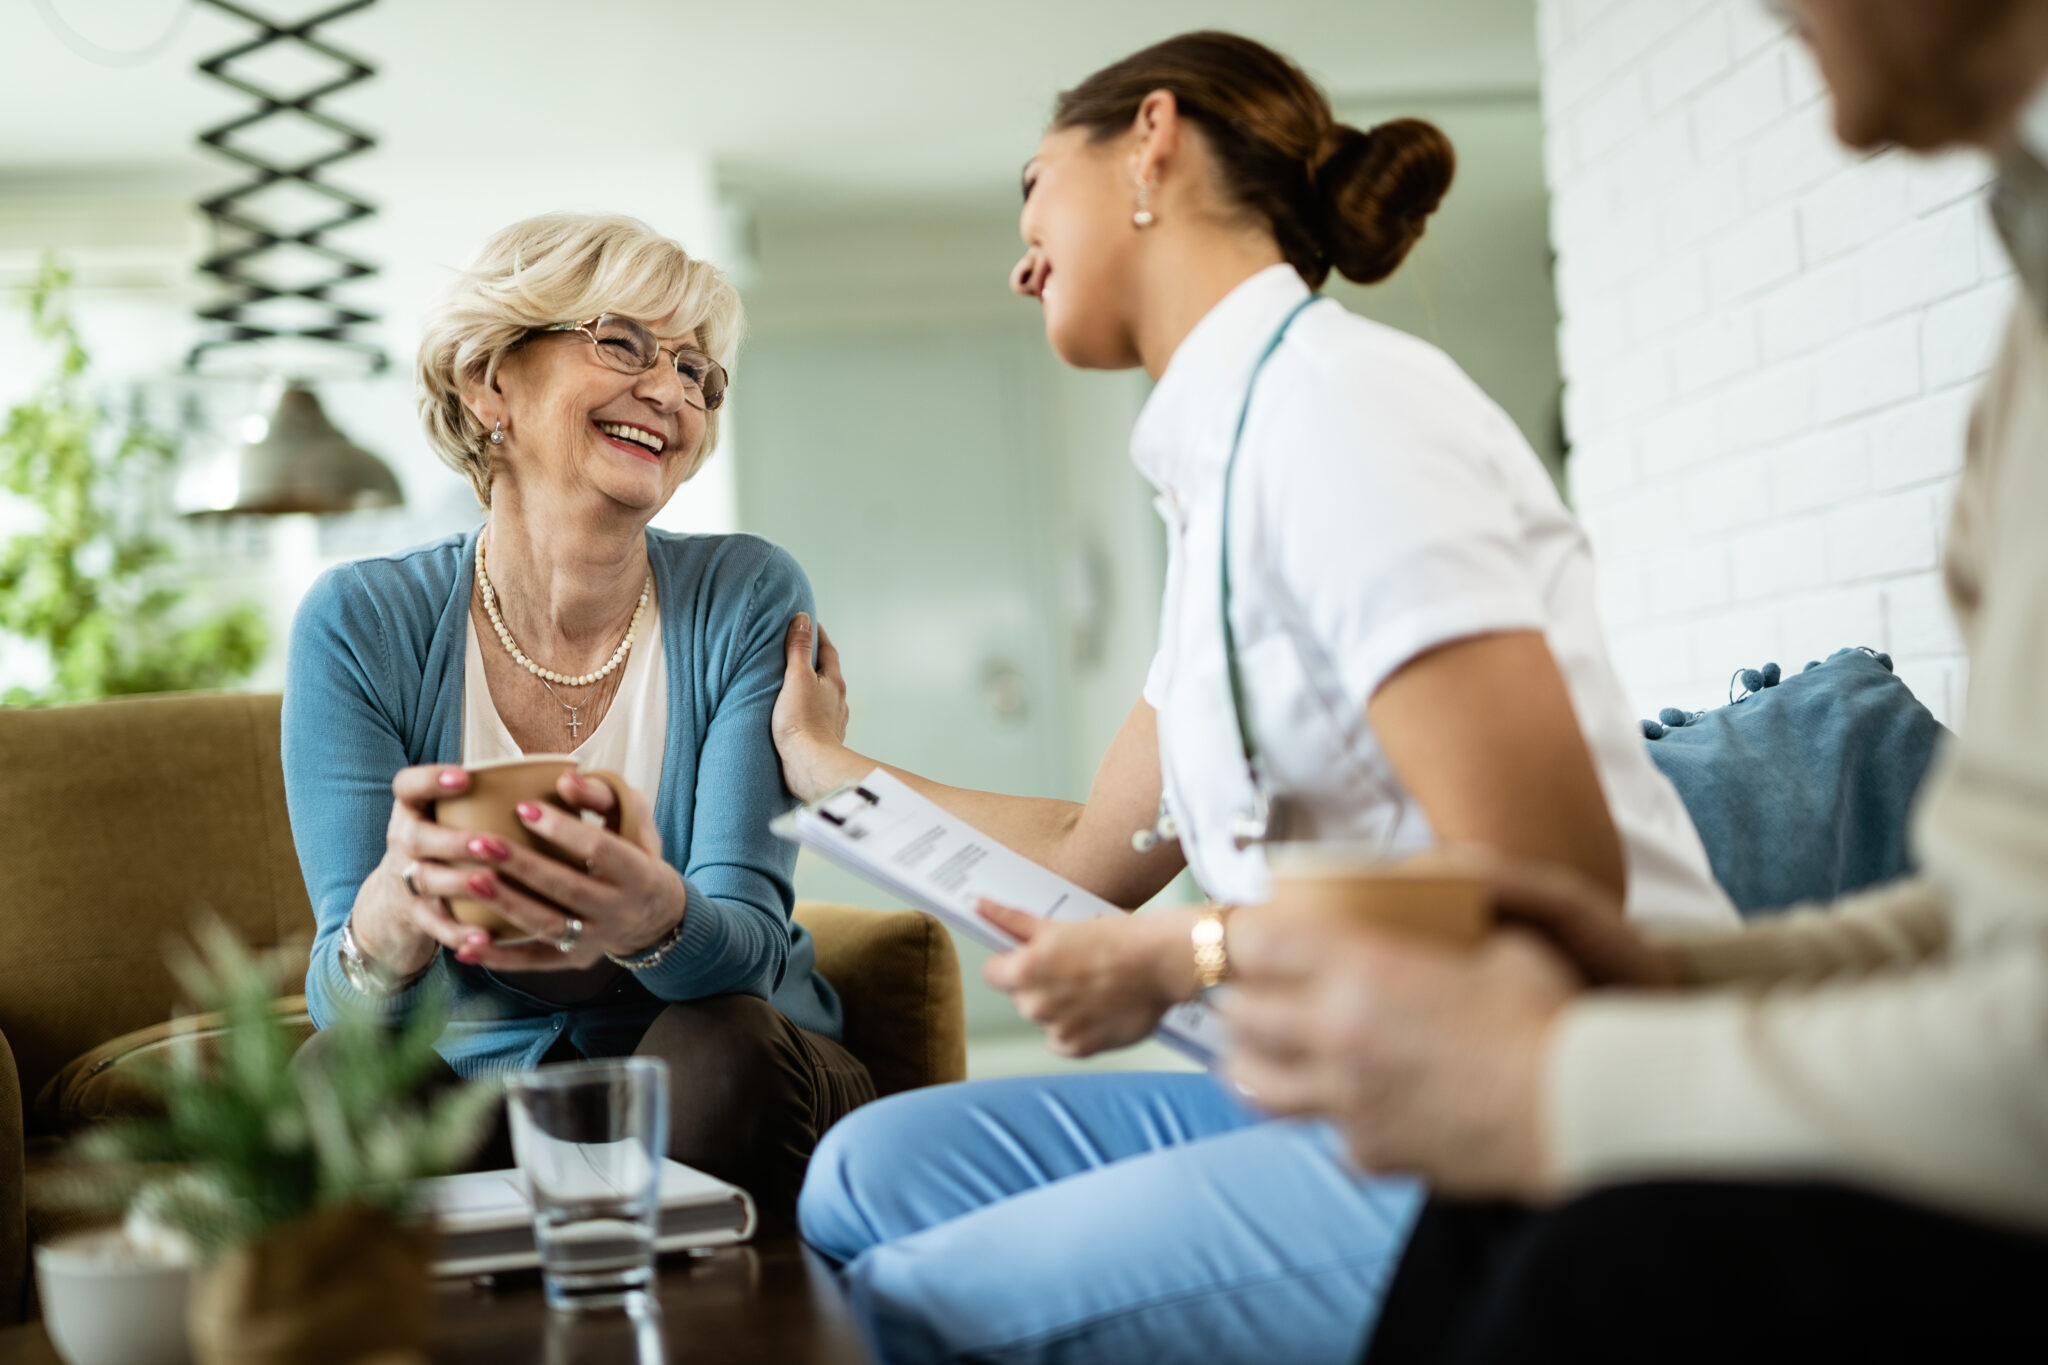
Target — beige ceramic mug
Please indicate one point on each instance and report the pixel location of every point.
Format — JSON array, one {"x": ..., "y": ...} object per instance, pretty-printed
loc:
[
  {"x": 1438, "y": 900},
  {"x": 491, "y": 806}
]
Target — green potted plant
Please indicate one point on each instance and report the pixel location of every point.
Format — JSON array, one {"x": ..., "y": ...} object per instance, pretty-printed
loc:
[
  {"x": 294, "y": 1185},
  {"x": 93, "y": 582}
]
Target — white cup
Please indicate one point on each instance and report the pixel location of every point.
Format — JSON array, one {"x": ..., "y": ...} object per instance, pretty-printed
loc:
[{"x": 107, "y": 1303}]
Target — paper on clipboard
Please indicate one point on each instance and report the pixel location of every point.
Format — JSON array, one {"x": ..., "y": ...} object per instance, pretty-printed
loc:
[{"x": 884, "y": 832}]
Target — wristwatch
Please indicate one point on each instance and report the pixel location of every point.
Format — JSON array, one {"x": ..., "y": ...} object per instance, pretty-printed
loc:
[
  {"x": 368, "y": 977},
  {"x": 1212, "y": 959}
]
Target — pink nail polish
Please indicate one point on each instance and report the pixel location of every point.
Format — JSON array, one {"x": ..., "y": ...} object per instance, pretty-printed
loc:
[
  {"x": 486, "y": 846},
  {"x": 467, "y": 957},
  {"x": 454, "y": 778},
  {"x": 529, "y": 812},
  {"x": 483, "y": 886}
]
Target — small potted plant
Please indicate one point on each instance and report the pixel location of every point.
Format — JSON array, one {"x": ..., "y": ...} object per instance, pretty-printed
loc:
[{"x": 294, "y": 1185}]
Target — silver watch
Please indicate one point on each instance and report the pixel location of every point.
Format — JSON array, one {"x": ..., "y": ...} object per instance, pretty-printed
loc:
[{"x": 365, "y": 976}]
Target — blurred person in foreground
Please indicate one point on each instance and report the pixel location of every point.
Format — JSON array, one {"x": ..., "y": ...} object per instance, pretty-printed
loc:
[
  {"x": 1822, "y": 1137},
  {"x": 574, "y": 373}
]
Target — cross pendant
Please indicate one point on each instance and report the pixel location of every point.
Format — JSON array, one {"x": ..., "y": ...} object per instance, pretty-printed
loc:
[{"x": 575, "y": 725}]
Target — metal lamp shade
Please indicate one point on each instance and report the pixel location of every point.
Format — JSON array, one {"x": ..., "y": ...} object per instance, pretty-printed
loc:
[{"x": 302, "y": 464}]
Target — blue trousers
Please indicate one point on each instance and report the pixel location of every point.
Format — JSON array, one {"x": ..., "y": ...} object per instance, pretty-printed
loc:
[{"x": 1114, "y": 1218}]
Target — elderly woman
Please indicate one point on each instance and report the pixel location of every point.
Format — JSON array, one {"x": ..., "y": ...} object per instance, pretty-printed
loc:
[{"x": 574, "y": 374}]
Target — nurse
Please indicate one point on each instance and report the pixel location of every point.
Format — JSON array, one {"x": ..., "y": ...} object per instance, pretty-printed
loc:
[{"x": 1378, "y": 627}]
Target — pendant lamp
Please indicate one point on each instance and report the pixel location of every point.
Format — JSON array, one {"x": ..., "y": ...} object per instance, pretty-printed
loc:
[
  {"x": 297, "y": 461},
  {"x": 279, "y": 273}
]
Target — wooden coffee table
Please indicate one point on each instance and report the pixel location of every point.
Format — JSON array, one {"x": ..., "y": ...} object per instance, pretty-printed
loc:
[{"x": 772, "y": 1301}]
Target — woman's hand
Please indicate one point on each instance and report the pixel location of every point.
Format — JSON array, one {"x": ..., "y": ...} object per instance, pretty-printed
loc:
[
  {"x": 629, "y": 898},
  {"x": 809, "y": 722},
  {"x": 1430, "y": 1059},
  {"x": 394, "y": 928},
  {"x": 1581, "y": 918},
  {"x": 1094, "y": 984}
]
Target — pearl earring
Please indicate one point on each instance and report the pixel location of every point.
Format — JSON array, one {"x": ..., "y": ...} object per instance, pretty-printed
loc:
[
  {"x": 498, "y": 433},
  {"x": 1143, "y": 217}
]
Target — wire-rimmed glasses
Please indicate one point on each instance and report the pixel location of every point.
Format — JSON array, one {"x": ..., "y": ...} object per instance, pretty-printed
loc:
[{"x": 628, "y": 347}]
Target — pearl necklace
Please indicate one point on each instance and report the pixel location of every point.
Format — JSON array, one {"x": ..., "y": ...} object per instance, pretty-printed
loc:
[{"x": 548, "y": 675}]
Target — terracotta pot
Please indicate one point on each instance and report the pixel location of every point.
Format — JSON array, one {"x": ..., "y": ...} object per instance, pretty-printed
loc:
[{"x": 344, "y": 1284}]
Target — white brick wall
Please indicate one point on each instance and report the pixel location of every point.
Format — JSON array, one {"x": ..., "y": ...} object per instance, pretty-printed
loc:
[{"x": 1769, "y": 347}]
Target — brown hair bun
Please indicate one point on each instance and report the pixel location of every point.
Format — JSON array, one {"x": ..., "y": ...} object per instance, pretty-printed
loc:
[
  {"x": 1377, "y": 189},
  {"x": 1331, "y": 195}
]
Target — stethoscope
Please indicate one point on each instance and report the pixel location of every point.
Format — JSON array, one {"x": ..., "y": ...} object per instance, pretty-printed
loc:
[{"x": 1258, "y": 822}]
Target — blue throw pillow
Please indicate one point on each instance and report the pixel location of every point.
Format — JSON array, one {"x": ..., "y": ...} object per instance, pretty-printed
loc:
[{"x": 1801, "y": 789}]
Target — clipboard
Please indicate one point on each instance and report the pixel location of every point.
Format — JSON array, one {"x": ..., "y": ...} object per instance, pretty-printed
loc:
[{"x": 886, "y": 833}]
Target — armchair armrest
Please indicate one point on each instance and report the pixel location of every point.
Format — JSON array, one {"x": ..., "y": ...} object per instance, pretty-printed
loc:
[
  {"x": 898, "y": 979},
  {"x": 97, "y": 1086},
  {"x": 13, "y": 1198}
]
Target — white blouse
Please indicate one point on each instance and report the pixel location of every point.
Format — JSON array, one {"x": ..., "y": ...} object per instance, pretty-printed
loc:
[
  {"x": 1383, "y": 506},
  {"x": 631, "y": 738}
]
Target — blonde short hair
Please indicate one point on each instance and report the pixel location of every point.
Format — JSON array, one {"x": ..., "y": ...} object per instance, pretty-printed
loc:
[{"x": 560, "y": 267}]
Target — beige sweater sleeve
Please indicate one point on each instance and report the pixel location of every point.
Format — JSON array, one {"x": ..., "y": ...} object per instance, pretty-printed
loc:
[
  {"x": 1932, "y": 1083},
  {"x": 1901, "y": 1041},
  {"x": 1893, "y": 928}
]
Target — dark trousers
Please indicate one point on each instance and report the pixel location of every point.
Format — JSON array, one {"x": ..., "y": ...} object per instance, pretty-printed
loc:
[
  {"x": 750, "y": 1094},
  {"x": 1712, "y": 1272}
]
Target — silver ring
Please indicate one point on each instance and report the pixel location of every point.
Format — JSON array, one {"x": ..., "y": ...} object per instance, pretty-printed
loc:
[
  {"x": 411, "y": 870},
  {"x": 572, "y": 934}
]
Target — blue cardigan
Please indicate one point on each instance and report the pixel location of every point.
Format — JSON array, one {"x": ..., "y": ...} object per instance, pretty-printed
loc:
[{"x": 373, "y": 683}]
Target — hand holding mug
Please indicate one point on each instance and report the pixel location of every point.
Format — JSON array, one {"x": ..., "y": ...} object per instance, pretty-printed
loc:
[
  {"x": 558, "y": 890},
  {"x": 398, "y": 920},
  {"x": 458, "y": 870},
  {"x": 1380, "y": 998}
]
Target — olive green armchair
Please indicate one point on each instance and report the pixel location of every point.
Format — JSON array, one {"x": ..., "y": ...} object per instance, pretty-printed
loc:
[{"x": 124, "y": 819}]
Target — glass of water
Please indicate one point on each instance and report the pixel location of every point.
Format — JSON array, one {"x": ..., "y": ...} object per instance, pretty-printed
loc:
[{"x": 590, "y": 1137}]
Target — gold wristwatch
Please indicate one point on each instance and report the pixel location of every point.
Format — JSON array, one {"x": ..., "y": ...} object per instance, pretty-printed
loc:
[{"x": 1212, "y": 958}]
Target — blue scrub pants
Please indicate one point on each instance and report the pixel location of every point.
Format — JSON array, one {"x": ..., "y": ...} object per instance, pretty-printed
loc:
[{"x": 1116, "y": 1218}]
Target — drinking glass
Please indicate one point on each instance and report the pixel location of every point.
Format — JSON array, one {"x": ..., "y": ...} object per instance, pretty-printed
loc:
[
  {"x": 590, "y": 1137},
  {"x": 629, "y": 1338}
]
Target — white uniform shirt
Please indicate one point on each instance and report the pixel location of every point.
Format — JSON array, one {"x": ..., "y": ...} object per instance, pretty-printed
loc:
[
  {"x": 630, "y": 740},
  {"x": 1383, "y": 506}
]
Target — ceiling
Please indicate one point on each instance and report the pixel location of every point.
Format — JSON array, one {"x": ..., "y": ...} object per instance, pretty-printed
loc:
[{"x": 797, "y": 101}]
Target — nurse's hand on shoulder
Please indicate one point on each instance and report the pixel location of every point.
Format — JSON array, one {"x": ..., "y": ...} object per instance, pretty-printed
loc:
[
  {"x": 1428, "y": 1057},
  {"x": 809, "y": 721},
  {"x": 1094, "y": 984}
]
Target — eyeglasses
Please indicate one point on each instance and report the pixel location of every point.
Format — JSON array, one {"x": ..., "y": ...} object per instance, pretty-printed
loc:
[{"x": 629, "y": 348}]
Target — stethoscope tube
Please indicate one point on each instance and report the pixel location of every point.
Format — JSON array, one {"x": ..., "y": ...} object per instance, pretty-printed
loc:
[{"x": 1256, "y": 824}]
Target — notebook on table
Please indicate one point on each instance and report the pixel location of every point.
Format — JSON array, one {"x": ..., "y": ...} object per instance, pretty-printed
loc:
[{"x": 486, "y": 1220}]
